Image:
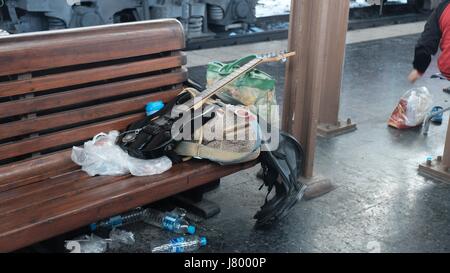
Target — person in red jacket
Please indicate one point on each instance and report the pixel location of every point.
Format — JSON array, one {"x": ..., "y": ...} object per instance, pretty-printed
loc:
[{"x": 435, "y": 35}]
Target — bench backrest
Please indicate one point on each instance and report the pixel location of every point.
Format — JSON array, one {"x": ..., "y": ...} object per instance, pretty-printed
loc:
[{"x": 60, "y": 88}]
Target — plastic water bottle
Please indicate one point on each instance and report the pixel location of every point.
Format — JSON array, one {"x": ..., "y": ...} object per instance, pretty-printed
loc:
[
  {"x": 154, "y": 107},
  {"x": 181, "y": 245},
  {"x": 120, "y": 220},
  {"x": 169, "y": 221}
]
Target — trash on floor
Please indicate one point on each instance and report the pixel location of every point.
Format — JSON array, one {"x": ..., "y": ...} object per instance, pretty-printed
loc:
[
  {"x": 170, "y": 221},
  {"x": 181, "y": 245},
  {"x": 127, "y": 218},
  {"x": 412, "y": 109},
  {"x": 87, "y": 244},
  {"x": 437, "y": 115},
  {"x": 173, "y": 221},
  {"x": 95, "y": 244},
  {"x": 101, "y": 156},
  {"x": 118, "y": 237}
]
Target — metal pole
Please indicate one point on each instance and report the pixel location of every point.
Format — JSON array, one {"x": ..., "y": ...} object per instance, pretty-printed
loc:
[
  {"x": 310, "y": 36},
  {"x": 146, "y": 10}
]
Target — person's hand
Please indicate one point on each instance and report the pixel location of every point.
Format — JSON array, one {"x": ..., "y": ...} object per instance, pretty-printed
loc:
[{"x": 414, "y": 76}]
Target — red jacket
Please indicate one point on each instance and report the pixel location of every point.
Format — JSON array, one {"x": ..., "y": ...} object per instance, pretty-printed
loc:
[{"x": 435, "y": 35}]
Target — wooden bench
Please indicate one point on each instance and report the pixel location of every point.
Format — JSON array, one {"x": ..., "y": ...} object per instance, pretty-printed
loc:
[{"x": 59, "y": 89}]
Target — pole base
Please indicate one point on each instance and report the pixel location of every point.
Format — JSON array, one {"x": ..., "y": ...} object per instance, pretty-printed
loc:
[
  {"x": 435, "y": 169},
  {"x": 316, "y": 187},
  {"x": 204, "y": 208},
  {"x": 330, "y": 130}
]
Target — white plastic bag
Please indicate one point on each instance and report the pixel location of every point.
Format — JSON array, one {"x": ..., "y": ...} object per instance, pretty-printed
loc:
[
  {"x": 87, "y": 244},
  {"x": 101, "y": 156},
  {"x": 412, "y": 109},
  {"x": 118, "y": 237},
  {"x": 3, "y": 32}
]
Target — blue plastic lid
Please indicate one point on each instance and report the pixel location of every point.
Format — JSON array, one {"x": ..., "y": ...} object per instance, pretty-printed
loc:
[
  {"x": 93, "y": 227},
  {"x": 191, "y": 230},
  {"x": 203, "y": 241},
  {"x": 153, "y": 107}
]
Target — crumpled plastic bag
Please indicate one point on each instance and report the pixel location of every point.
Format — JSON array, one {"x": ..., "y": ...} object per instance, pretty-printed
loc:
[
  {"x": 120, "y": 237},
  {"x": 87, "y": 244},
  {"x": 101, "y": 156},
  {"x": 3, "y": 33},
  {"x": 412, "y": 109}
]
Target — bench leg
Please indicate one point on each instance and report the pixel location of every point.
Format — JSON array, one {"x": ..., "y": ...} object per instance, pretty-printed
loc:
[{"x": 194, "y": 201}]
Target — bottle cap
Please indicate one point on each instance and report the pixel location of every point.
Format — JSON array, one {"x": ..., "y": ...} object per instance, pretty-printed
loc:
[
  {"x": 154, "y": 107},
  {"x": 203, "y": 241},
  {"x": 191, "y": 230},
  {"x": 93, "y": 227}
]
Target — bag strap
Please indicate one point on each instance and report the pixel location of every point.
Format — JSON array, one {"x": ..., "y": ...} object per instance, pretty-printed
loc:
[{"x": 197, "y": 150}]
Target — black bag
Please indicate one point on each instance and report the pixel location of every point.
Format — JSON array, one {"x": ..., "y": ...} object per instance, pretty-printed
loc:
[
  {"x": 149, "y": 139},
  {"x": 281, "y": 170}
]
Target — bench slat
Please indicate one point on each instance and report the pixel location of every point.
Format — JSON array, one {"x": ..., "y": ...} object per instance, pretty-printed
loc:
[
  {"x": 35, "y": 224},
  {"x": 39, "y": 51},
  {"x": 34, "y": 170},
  {"x": 54, "y": 81},
  {"x": 53, "y": 189},
  {"x": 70, "y": 136},
  {"x": 41, "y": 103},
  {"x": 30, "y": 189},
  {"x": 36, "y": 125}
]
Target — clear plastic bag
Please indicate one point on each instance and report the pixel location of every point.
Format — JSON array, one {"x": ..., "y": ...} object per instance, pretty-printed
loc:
[
  {"x": 120, "y": 237},
  {"x": 101, "y": 156},
  {"x": 3, "y": 32},
  {"x": 412, "y": 109},
  {"x": 87, "y": 244}
]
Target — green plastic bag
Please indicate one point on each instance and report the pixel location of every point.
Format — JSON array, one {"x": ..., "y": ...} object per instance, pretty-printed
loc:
[{"x": 253, "y": 89}]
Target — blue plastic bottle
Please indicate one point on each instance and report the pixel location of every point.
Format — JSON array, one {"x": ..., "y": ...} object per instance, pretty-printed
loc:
[
  {"x": 119, "y": 220},
  {"x": 181, "y": 245},
  {"x": 168, "y": 221}
]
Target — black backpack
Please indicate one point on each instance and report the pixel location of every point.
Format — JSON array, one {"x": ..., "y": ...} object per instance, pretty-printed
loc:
[{"x": 281, "y": 170}]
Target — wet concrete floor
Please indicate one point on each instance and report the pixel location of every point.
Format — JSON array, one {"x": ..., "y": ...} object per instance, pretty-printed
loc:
[{"x": 380, "y": 204}]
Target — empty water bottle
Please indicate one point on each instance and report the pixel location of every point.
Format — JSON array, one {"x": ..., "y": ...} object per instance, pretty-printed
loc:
[
  {"x": 181, "y": 245},
  {"x": 170, "y": 221},
  {"x": 120, "y": 220}
]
